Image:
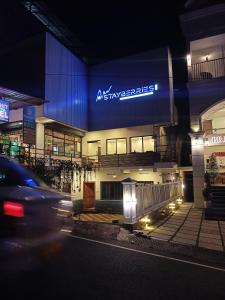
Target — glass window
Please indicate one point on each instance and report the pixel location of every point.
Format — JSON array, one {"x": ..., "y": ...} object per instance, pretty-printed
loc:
[
  {"x": 121, "y": 146},
  {"x": 62, "y": 144},
  {"x": 111, "y": 190},
  {"x": 136, "y": 144},
  {"x": 111, "y": 146},
  {"x": 48, "y": 143},
  {"x": 142, "y": 144},
  {"x": 69, "y": 148},
  {"x": 57, "y": 146},
  {"x": 148, "y": 143}
]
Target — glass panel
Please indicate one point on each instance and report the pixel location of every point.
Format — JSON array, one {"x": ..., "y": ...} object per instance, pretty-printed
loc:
[
  {"x": 58, "y": 146},
  {"x": 69, "y": 148},
  {"x": 136, "y": 144},
  {"x": 48, "y": 143},
  {"x": 78, "y": 147},
  {"x": 148, "y": 143},
  {"x": 121, "y": 146},
  {"x": 111, "y": 146}
]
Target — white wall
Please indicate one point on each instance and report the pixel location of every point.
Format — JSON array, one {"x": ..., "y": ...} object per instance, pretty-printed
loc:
[
  {"x": 145, "y": 175},
  {"x": 218, "y": 123},
  {"x": 103, "y": 135}
]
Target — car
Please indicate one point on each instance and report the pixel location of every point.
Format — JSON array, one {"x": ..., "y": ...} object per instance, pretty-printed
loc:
[{"x": 31, "y": 215}]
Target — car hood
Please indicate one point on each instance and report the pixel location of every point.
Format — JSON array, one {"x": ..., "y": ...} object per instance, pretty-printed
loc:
[{"x": 30, "y": 193}]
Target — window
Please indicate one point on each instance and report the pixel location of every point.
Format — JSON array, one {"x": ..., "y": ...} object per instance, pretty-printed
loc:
[
  {"x": 116, "y": 146},
  {"x": 59, "y": 143},
  {"x": 111, "y": 190},
  {"x": 142, "y": 143}
]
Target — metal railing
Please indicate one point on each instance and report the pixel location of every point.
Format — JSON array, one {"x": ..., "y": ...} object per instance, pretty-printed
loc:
[
  {"x": 151, "y": 197},
  {"x": 208, "y": 69}
]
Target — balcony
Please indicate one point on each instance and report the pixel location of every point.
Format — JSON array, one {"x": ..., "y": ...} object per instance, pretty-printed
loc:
[
  {"x": 129, "y": 160},
  {"x": 207, "y": 69}
]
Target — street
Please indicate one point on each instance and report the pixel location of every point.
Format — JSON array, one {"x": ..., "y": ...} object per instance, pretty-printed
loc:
[{"x": 90, "y": 270}]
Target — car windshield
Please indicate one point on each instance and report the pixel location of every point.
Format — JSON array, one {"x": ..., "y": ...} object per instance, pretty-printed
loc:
[{"x": 12, "y": 173}]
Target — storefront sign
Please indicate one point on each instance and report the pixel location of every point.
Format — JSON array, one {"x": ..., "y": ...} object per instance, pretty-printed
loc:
[
  {"x": 4, "y": 111},
  {"x": 212, "y": 140},
  {"x": 29, "y": 125},
  {"x": 126, "y": 94}
]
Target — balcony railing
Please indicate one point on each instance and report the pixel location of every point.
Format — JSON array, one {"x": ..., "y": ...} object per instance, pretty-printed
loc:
[{"x": 208, "y": 69}]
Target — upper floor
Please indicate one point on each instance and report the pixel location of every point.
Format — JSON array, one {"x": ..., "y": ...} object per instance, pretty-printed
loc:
[{"x": 204, "y": 30}]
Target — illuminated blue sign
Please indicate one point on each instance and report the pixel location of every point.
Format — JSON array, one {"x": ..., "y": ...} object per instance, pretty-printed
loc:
[
  {"x": 128, "y": 94},
  {"x": 4, "y": 111}
]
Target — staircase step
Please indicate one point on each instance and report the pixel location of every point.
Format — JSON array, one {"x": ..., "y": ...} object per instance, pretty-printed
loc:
[{"x": 215, "y": 213}]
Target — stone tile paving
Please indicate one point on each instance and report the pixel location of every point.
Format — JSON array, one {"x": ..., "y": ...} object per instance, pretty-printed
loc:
[{"x": 188, "y": 227}]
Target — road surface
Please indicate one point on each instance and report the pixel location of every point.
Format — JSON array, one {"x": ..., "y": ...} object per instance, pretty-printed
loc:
[{"x": 86, "y": 269}]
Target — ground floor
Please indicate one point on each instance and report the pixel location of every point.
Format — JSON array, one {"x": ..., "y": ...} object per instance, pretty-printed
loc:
[{"x": 187, "y": 226}]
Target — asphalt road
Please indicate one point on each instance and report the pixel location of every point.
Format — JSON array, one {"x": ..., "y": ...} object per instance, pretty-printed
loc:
[{"x": 89, "y": 270}]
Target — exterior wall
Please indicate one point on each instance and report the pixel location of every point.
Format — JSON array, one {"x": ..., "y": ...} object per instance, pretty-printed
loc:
[
  {"x": 16, "y": 115},
  {"x": 204, "y": 94},
  {"x": 195, "y": 24},
  {"x": 128, "y": 74},
  {"x": 108, "y": 176},
  {"x": 65, "y": 85},
  {"x": 103, "y": 135}
]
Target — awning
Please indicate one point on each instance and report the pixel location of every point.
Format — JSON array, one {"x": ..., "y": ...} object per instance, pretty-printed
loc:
[{"x": 17, "y": 99}]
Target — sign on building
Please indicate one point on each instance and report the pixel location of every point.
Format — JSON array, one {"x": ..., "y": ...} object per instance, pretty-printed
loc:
[
  {"x": 4, "y": 111},
  {"x": 214, "y": 139},
  {"x": 29, "y": 125}
]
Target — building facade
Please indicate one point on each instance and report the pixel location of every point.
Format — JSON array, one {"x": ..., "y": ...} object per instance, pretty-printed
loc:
[
  {"x": 109, "y": 121},
  {"x": 206, "y": 86}
]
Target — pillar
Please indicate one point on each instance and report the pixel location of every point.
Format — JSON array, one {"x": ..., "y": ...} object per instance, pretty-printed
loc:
[
  {"x": 198, "y": 165},
  {"x": 129, "y": 201}
]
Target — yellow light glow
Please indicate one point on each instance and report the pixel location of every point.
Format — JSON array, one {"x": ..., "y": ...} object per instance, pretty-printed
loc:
[
  {"x": 114, "y": 176},
  {"x": 172, "y": 206},
  {"x": 195, "y": 128},
  {"x": 179, "y": 201},
  {"x": 146, "y": 219}
]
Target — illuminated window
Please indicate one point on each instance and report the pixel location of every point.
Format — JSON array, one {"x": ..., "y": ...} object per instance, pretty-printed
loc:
[
  {"x": 58, "y": 143},
  {"x": 142, "y": 143},
  {"x": 116, "y": 146}
]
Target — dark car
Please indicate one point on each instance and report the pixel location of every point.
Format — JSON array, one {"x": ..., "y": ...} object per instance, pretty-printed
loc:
[{"x": 31, "y": 214}]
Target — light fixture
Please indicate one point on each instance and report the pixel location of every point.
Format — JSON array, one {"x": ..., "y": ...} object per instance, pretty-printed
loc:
[
  {"x": 179, "y": 201},
  {"x": 172, "y": 206},
  {"x": 114, "y": 176},
  {"x": 140, "y": 169},
  {"x": 189, "y": 60}
]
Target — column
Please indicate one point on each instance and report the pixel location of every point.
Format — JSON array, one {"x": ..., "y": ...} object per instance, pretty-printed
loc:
[
  {"x": 129, "y": 201},
  {"x": 198, "y": 167}
]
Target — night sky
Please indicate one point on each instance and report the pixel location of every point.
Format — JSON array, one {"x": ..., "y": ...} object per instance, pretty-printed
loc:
[{"x": 115, "y": 28}]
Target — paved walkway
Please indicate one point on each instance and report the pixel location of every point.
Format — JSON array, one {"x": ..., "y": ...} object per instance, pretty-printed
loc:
[{"x": 187, "y": 226}]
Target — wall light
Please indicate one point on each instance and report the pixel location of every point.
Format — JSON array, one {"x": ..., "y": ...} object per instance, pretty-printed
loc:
[{"x": 189, "y": 60}]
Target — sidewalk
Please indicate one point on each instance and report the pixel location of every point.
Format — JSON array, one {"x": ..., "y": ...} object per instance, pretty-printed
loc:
[{"x": 188, "y": 227}]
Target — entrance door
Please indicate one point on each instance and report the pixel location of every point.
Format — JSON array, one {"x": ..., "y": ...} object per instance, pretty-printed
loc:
[
  {"x": 188, "y": 190},
  {"x": 89, "y": 195}
]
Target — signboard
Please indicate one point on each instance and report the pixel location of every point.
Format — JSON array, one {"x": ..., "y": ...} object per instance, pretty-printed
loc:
[
  {"x": 4, "y": 111},
  {"x": 214, "y": 139},
  {"x": 142, "y": 91},
  {"x": 29, "y": 125}
]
